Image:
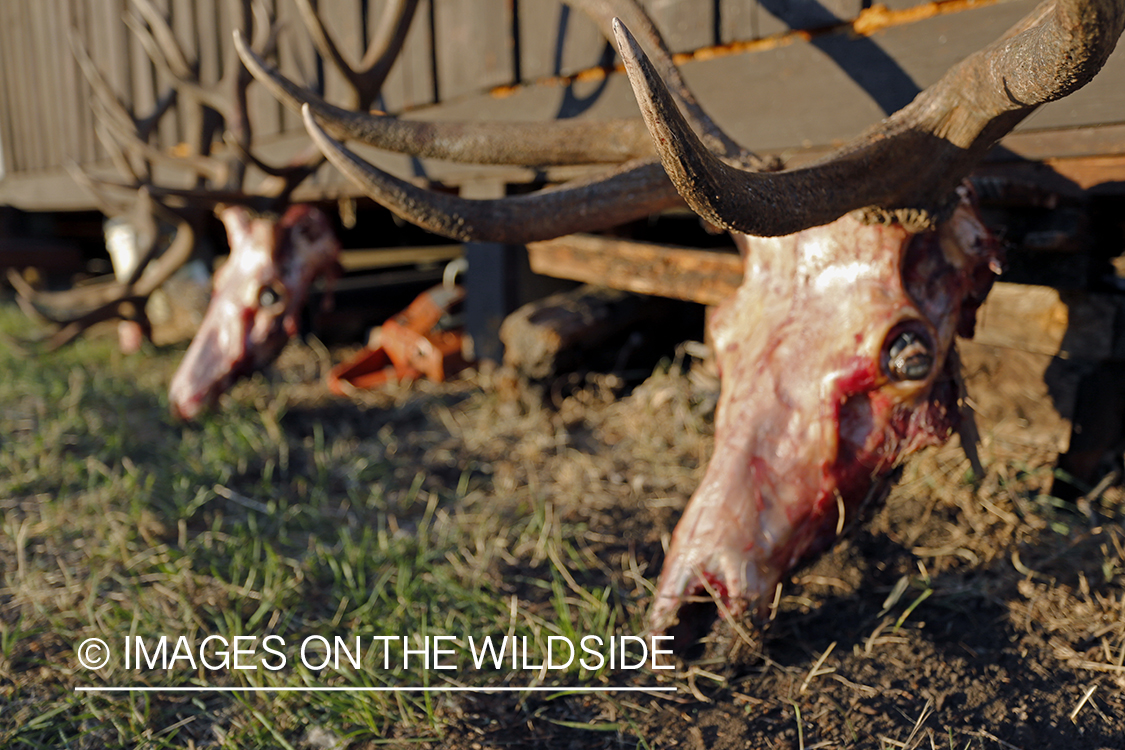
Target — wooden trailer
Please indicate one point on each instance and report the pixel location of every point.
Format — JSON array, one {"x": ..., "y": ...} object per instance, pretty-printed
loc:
[{"x": 787, "y": 77}]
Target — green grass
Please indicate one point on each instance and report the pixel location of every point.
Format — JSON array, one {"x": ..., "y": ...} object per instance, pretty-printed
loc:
[{"x": 118, "y": 521}]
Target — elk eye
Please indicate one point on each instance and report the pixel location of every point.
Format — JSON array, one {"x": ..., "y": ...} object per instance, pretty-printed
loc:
[
  {"x": 269, "y": 296},
  {"x": 909, "y": 354}
]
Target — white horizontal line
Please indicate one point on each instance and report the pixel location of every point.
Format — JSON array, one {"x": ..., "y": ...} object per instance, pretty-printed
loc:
[{"x": 147, "y": 689}]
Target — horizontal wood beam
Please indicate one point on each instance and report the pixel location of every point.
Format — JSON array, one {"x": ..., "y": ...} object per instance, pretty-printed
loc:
[
  {"x": 363, "y": 259},
  {"x": 704, "y": 276}
]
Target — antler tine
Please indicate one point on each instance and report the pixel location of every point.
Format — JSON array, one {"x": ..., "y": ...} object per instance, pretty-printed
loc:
[
  {"x": 169, "y": 49},
  {"x": 106, "y": 206},
  {"x": 532, "y": 144},
  {"x": 292, "y": 174},
  {"x": 368, "y": 77},
  {"x": 904, "y": 168},
  {"x": 632, "y": 191},
  {"x": 100, "y": 296},
  {"x": 162, "y": 47},
  {"x": 127, "y": 300},
  {"x": 386, "y": 44}
]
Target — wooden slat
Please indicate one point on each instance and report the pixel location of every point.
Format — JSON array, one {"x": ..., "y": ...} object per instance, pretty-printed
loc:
[
  {"x": 72, "y": 84},
  {"x": 43, "y": 75},
  {"x": 296, "y": 58},
  {"x": 344, "y": 22},
  {"x": 736, "y": 20},
  {"x": 214, "y": 21},
  {"x": 265, "y": 110},
  {"x": 19, "y": 58},
  {"x": 111, "y": 50},
  {"x": 1011, "y": 399},
  {"x": 5, "y": 127},
  {"x": 1042, "y": 320},
  {"x": 412, "y": 81},
  {"x": 779, "y": 16},
  {"x": 703, "y": 276},
  {"x": 183, "y": 24},
  {"x": 686, "y": 25},
  {"x": 54, "y": 190},
  {"x": 87, "y": 146},
  {"x": 556, "y": 40},
  {"x": 143, "y": 75},
  {"x": 474, "y": 48},
  {"x": 9, "y": 125},
  {"x": 169, "y": 131}
]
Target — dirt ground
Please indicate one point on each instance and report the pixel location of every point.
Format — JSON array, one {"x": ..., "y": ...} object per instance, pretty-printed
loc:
[{"x": 961, "y": 614}]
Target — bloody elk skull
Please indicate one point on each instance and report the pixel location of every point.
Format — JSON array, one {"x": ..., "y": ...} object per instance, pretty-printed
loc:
[
  {"x": 836, "y": 357},
  {"x": 257, "y": 298}
]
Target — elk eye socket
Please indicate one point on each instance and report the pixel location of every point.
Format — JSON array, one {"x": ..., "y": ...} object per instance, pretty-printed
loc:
[
  {"x": 908, "y": 353},
  {"x": 270, "y": 295}
]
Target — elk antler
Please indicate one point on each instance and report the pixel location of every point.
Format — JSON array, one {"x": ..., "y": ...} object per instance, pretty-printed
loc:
[
  {"x": 907, "y": 166},
  {"x": 366, "y": 81},
  {"x": 540, "y": 144},
  {"x": 948, "y": 128},
  {"x": 634, "y": 190}
]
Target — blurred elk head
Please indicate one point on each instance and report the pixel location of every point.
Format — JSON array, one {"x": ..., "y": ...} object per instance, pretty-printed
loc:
[
  {"x": 837, "y": 353},
  {"x": 277, "y": 250}
]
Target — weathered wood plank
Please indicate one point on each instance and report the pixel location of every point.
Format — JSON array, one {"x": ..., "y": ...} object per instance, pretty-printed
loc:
[
  {"x": 111, "y": 51},
  {"x": 11, "y": 126},
  {"x": 686, "y": 24},
  {"x": 6, "y": 149},
  {"x": 474, "y": 46},
  {"x": 212, "y": 22},
  {"x": 1042, "y": 320},
  {"x": 27, "y": 133},
  {"x": 143, "y": 83},
  {"x": 1017, "y": 398},
  {"x": 168, "y": 130},
  {"x": 780, "y": 16},
  {"x": 344, "y": 22},
  {"x": 783, "y": 94},
  {"x": 44, "y": 76},
  {"x": 386, "y": 257},
  {"x": 183, "y": 25},
  {"x": 412, "y": 81},
  {"x": 557, "y": 40},
  {"x": 68, "y": 80},
  {"x": 691, "y": 274},
  {"x": 296, "y": 59},
  {"x": 736, "y": 21}
]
